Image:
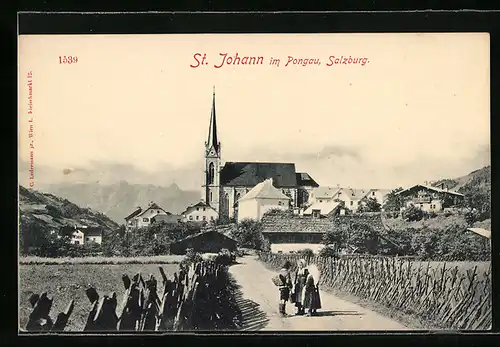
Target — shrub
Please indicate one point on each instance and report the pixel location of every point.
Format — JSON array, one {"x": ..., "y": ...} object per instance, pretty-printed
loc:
[
  {"x": 413, "y": 214},
  {"x": 249, "y": 235},
  {"x": 328, "y": 252},
  {"x": 432, "y": 214},
  {"x": 191, "y": 257},
  {"x": 471, "y": 217}
]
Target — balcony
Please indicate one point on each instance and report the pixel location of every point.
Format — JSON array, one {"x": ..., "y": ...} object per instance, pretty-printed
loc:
[{"x": 423, "y": 200}]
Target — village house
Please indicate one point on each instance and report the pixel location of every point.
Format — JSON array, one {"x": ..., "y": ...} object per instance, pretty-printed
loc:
[
  {"x": 143, "y": 218},
  {"x": 224, "y": 184},
  {"x": 288, "y": 232},
  {"x": 323, "y": 194},
  {"x": 80, "y": 235},
  {"x": 325, "y": 208},
  {"x": 429, "y": 199},
  {"x": 352, "y": 198},
  {"x": 200, "y": 212},
  {"x": 208, "y": 241},
  {"x": 260, "y": 199}
]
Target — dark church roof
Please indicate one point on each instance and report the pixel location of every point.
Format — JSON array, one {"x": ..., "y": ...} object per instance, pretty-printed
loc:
[
  {"x": 248, "y": 174},
  {"x": 304, "y": 180}
]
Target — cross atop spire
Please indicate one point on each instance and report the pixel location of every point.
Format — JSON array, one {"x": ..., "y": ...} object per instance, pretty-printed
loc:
[{"x": 212, "y": 131}]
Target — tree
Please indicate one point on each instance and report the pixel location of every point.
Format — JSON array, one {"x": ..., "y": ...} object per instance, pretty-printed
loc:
[
  {"x": 370, "y": 205},
  {"x": 337, "y": 236},
  {"x": 363, "y": 237},
  {"x": 393, "y": 202},
  {"x": 249, "y": 234},
  {"x": 413, "y": 214}
]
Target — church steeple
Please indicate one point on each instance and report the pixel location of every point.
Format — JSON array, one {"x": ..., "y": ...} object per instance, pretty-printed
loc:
[
  {"x": 211, "y": 173},
  {"x": 212, "y": 131}
]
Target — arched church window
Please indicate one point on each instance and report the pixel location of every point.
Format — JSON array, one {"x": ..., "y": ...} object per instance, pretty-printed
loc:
[
  {"x": 211, "y": 174},
  {"x": 211, "y": 197},
  {"x": 237, "y": 196}
]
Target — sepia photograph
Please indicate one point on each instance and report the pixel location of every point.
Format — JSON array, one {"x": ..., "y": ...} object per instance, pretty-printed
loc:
[{"x": 254, "y": 182}]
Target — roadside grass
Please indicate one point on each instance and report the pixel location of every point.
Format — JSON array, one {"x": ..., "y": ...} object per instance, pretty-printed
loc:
[
  {"x": 160, "y": 259},
  {"x": 66, "y": 282}
]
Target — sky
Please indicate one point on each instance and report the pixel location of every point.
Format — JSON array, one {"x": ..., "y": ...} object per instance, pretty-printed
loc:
[{"x": 133, "y": 109}]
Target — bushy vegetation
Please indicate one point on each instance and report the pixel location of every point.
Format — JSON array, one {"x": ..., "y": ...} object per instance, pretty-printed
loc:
[
  {"x": 370, "y": 205},
  {"x": 393, "y": 202},
  {"x": 432, "y": 241},
  {"x": 359, "y": 235},
  {"x": 453, "y": 243},
  {"x": 328, "y": 252},
  {"x": 249, "y": 235},
  {"x": 147, "y": 241}
]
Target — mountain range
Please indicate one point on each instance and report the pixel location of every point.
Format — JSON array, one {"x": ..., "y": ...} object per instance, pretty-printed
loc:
[
  {"x": 478, "y": 180},
  {"x": 51, "y": 212},
  {"x": 120, "y": 199}
]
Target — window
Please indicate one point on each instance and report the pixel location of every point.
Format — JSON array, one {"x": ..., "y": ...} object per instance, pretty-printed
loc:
[
  {"x": 190, "y": 217},
  {"x": 145, "y": 220},
  {"x": 279, "y": 203},
  {"x": 204, "y": 218},
  {"x": 210, "y": 174},
  {"x": 373, "y": 193},
  {"x": 197, "y": 217},
  {"x": 211, "y": 217},
  {"x": 77, "y": 242},
  {"x": 211, "y": 198},
  {"x": 321, "y": 201},
  {"x": 203, "y": 208},
  {"x": 197, "y": 209},
  {"x": 352, "y": 202},
  {"x": 88, "y": 238},
  {"x": 158, "y": 211}
]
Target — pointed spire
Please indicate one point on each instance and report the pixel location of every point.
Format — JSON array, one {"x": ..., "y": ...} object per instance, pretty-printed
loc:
[{"x": 212, "y": 131}]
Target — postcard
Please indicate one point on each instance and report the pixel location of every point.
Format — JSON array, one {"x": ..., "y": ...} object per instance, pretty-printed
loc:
[{"x": 254, "y": 182}]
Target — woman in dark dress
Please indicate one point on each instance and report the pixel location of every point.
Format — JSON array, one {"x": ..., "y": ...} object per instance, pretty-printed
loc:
[
  {"x": 311, "y": 298},
  {"x": 299, "y": 285}
]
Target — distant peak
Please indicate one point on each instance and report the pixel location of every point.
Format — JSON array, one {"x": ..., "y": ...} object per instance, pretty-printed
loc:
[{"x": 174, "y": 186}]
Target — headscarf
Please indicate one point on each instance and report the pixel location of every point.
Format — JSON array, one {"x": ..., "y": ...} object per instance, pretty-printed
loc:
[
  {"x": 301, "y": 264},
  {"x": 314, "y": 273}
]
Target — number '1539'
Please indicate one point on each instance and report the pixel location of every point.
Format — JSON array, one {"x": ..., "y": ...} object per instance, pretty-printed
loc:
[{"x": 68, "y": 59}]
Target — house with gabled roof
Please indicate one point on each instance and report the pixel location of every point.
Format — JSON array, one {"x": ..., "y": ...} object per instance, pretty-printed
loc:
[
  {"x": 323, "y": 194},
  {"x": 224, "y": 184},
  {"x": 351, "y": 197},
  {"x": 142, "y": 218},
  {"x": 200, "y": 212},
  {"x": 430, "y": 199},
  {"x": 260, "y": 199}
]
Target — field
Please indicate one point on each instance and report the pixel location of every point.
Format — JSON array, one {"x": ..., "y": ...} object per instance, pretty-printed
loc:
[
  {"x": 160, "y": 259},
  {"x": 68, "y": 281}
]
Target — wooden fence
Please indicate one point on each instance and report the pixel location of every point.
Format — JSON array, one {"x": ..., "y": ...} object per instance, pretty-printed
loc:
[
  {"x": 445, "y": 296},
  {"x": 194, "y": 299}
]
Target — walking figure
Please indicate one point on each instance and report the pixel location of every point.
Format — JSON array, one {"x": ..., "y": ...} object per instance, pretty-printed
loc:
[{"x": 284, "y": 282}]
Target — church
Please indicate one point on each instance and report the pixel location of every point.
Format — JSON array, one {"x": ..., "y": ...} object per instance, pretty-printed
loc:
[{"x": 224, "y": 185}]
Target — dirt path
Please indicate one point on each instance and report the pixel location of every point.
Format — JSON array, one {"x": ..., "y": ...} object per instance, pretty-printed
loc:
[{"x": 258, "y": 300}]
